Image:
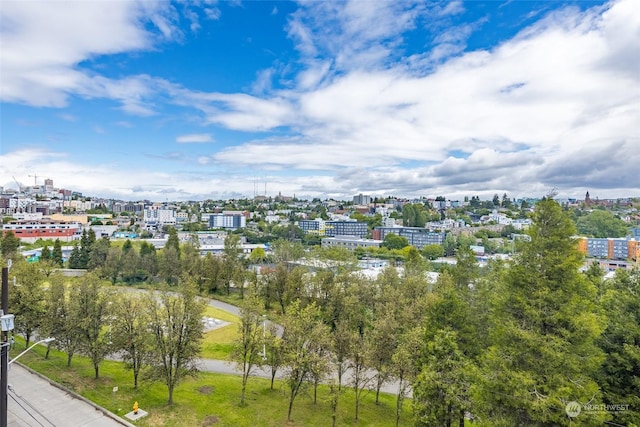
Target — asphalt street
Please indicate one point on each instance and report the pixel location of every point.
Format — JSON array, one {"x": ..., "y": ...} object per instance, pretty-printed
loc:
[{"x": 34, "y": 402}]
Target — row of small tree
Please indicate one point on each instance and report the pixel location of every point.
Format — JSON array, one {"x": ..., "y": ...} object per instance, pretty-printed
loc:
[{"x": 157, "y": 334}]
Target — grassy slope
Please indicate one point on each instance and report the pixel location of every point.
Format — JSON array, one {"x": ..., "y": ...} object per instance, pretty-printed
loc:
[{"x": 210, "y": 399}]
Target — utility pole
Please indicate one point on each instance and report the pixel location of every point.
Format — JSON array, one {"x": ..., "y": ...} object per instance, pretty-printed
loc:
[{"x": 4, "y": 358}]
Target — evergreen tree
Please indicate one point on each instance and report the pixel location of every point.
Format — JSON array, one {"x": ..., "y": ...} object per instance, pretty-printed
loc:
[
  {"x": 99, "y": 253},
  {"x": 45, "y": 254},
  {"x": 9, "y": 245},
  {"x": 619, "y": 376},
  {"x": 87, "y": 241},
  {"x": 543, "y": 329},
  {"x": 441, "y": 391},
  {"x": 75, "y": 259},
  {"x": 56, "y": 255},
  {"x": 173, "y": 241}
]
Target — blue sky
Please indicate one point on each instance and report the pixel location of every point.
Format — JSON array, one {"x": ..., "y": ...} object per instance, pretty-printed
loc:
[{"x": 210, "y": 99}]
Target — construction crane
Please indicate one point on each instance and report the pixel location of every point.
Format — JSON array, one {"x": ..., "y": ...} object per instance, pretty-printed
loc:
[
  {"x": 19, "y": 184},
  {"x": 35, "y": 179}
]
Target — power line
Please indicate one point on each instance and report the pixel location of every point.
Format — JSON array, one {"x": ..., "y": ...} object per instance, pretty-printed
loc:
[{"x": 15, "y": 395}]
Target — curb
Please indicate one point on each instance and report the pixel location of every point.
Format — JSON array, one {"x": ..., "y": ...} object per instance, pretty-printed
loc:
[{"x": 75, "y": 395}]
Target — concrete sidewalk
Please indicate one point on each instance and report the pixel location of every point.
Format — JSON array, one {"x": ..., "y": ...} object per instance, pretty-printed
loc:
[{"x": 34, "y": 401}]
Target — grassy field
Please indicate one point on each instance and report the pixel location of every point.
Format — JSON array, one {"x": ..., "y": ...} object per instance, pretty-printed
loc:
[
  {"x": 217, "y": 343},
  {"x": 208, "y": 400}
]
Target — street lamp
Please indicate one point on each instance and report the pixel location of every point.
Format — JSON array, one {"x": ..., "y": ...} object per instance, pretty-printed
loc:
[
  {"x": 46, "y": 340},
  {"x": 264, "y": 337}
]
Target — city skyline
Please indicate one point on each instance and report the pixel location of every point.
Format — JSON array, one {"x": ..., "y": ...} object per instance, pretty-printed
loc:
[{"x": 197, "y": 100}]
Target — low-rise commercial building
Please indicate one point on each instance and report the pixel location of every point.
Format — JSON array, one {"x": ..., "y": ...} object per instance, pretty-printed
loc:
[
  {"x": 417, "y": 237},
  {"x": 30, "y": 231},
  {"x": 350, "y": 242}
]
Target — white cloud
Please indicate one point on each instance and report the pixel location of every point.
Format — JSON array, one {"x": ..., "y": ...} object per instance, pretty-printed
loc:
[
  {"x": 43, "y": 43},
  {"x": 197, "y": 138},
  {"x": 544, "y": 109},
  {"x": 553, "y": 91}
]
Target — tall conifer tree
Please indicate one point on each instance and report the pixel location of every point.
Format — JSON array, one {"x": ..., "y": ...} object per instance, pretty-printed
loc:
[{"x": 544, "y": 323}]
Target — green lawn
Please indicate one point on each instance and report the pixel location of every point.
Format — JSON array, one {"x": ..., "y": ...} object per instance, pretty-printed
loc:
[
  {"x": 217, "y": 344},
  {"x": 208, "y": 400}
]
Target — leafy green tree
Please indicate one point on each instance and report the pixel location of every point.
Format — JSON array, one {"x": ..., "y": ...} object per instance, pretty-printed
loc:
[
  {"x": 449, "y": 245},
  {"x": 130, "y": 332},
  {"x": 432, "y": 252},
  {"x": 384, "y": 339},
  {"x": 148, "y": 259},
  {"x": 231, "y": 271},
  {"x": 303, "y": 335},
  {"x": 276, "y": 286},
  {"x": 212, "y": 273},
  {"x": 173, "y": 241},
  {"x": 496, "y": 200},
  {"x": 9, "y": 245},
  {"x": 176, "y": 325},
  {"x": 70, "y": 336},
  {"x": 247, "y": 348},
  {"x": 55, "y": 307},
  {"x": 404, "y": 364},
  {"x": 414, "y": 264},
  {"x": 601, "y": 224},
  {"x": 127, "y": 246},
  {"x": 543, "y": 329},
  {"x": 393, "y": 241},
  {"x": 360, "y": 318},
  {"x": 169, "y": 267},
  {"x": 92, "y": 313},
  {"x": 506, "y": 202},
  {"x": 284, "y": 250},
  {"x": 274, "y": 351},
  {"x": 112, "y": 265},
  {"x": 257, "y": 256},
  {"x": 26, "y": 298},
  {"x": 130, "y": 270},
  {"x": 413, "y": 215},
  {"x": 191, "y": 262}
]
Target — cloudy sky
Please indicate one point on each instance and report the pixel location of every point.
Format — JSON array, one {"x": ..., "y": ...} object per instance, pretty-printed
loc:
[{"x": 218, "y": 99}]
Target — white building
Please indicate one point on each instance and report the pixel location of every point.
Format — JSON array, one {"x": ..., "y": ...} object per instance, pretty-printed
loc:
[{"x": 154, "y": 217}]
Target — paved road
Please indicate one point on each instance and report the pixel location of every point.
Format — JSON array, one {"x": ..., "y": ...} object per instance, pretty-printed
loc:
[
  {"x": 222, "y": 367},
  {"x": 34, "y": 402}
]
